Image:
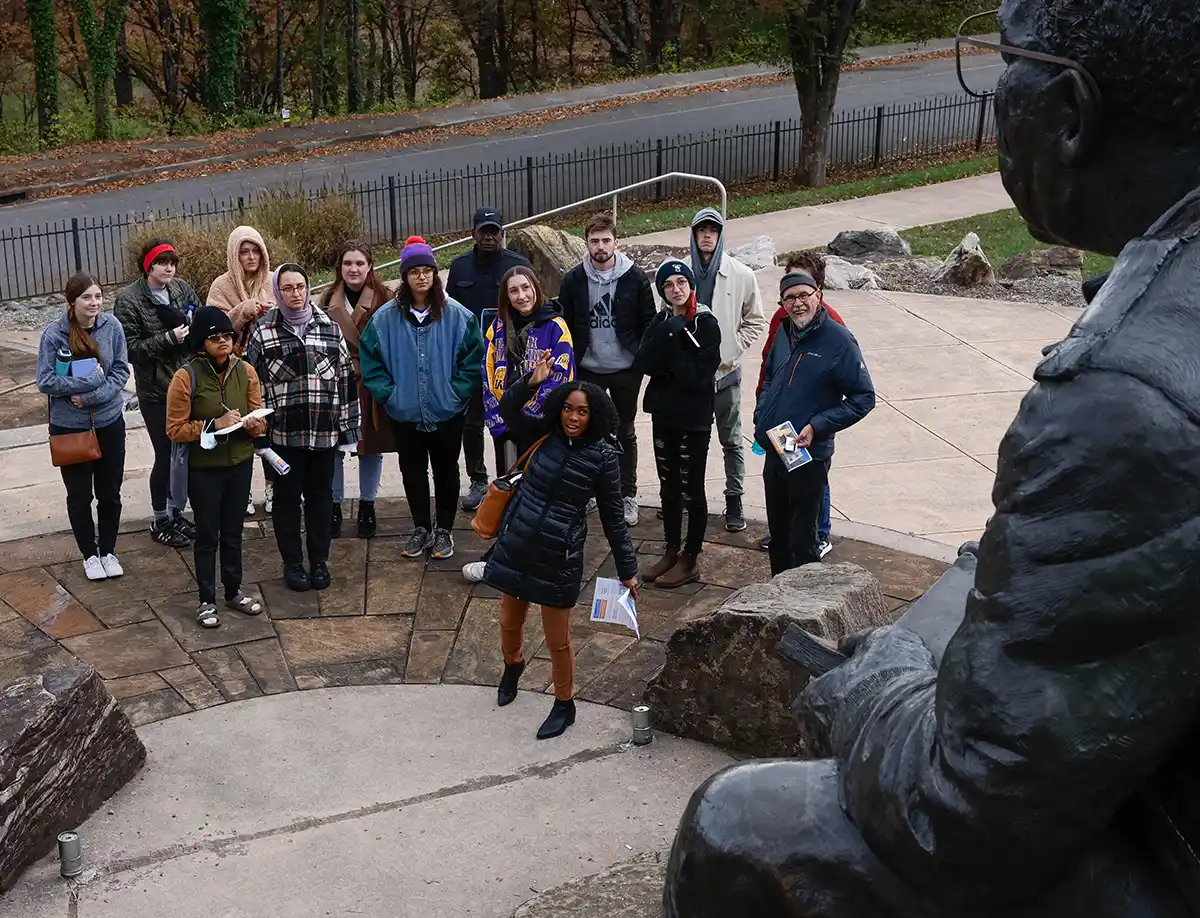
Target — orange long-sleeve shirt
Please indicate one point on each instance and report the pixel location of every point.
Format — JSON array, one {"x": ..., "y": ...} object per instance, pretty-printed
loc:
[{"x": 180, "y": 426}]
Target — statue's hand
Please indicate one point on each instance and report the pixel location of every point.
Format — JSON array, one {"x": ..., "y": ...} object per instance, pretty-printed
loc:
[{"x": 830, "y": 704}]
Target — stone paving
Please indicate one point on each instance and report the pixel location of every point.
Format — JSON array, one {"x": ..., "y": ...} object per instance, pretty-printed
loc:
[{"x": 384, "y": 620}]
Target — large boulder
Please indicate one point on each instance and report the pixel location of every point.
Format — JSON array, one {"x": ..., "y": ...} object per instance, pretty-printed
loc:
[
  {"x": 845, "y": 275},
  {"x": 757, "y": 254},
  {"x": 724, "y": 682},
  {"x": 65, "y": 748},
  {"x": 1056, "y": 261},
  {"x": 630, "y": 890},
  {"x": 552, "y": 252},
  {"x": 870, "y": 243},
  {"x": 967, "y": 265}
]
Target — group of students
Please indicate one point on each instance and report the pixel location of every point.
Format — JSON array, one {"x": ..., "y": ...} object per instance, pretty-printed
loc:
[{"x": 422, "y": 373}]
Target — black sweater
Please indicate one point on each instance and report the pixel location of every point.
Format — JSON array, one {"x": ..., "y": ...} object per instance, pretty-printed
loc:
[{"x": 681, "y": 360}]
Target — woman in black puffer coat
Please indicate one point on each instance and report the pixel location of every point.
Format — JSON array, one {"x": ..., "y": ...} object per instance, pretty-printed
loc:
[{"x": 538, "y": 557}]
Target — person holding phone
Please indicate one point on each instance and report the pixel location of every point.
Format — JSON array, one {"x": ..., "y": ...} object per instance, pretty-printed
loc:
[
  {"x": 538, "y": 556},
  {"x": 220, "y": 465}
]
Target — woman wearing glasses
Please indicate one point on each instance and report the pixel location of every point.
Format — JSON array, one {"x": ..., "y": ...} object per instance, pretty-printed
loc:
[
  {"x": 815, "y": 380},
  {"x": 215, "y": 391},
  {"x": 421, "y": 357}
]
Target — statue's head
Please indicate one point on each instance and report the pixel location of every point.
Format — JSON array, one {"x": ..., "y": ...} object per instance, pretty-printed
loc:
[{"x": 1094, "y": 149}]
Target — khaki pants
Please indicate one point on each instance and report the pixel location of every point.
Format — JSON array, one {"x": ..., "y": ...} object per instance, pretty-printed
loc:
[{"x": 557, "y": 625}]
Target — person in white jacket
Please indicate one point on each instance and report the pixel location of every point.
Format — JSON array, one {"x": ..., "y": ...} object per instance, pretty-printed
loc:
[{"x": 730, "y": 290}]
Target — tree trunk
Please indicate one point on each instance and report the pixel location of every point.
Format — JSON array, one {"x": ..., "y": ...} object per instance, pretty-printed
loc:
[
  {"x": 666, "y": 21},
  {"x": 45, "y": 63},
  {"x": 318, "y": 65},
  {"x": 279, "y": 54},
  {"x": 354, "y": 89},
  {"x": 387, "y": 69},
  {"x": 168, "y": 40},
  {"x": 534, "y": 54},
  {"x": 409, "y": 66},
  {"x": 221, "y": 22},
  {"x": 621, "y": 52},
  {"x": 100, "y": 39},
  {"x": 123, "y": 84}
]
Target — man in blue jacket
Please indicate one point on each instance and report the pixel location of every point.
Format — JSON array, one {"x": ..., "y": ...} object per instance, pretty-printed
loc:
[
  {"x": 474, "y": 281},
  {"x": 815, "y": 379}
]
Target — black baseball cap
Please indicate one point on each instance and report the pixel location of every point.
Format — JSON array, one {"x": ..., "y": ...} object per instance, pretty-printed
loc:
[{"x": 485, "y": 216}]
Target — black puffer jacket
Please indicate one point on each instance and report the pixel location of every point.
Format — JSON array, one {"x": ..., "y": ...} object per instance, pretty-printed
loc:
[
  {"x": 153, "y": 353},
  {"x": 538, "y": 556}
]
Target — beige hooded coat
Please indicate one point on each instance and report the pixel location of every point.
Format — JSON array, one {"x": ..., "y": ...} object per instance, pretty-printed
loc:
[{"x": 240, "y": 296}]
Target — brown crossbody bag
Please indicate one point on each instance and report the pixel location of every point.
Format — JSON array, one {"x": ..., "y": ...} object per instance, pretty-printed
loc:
[
  {"x": 490, "y": 514},
  {"x": 76, "y": 447}
]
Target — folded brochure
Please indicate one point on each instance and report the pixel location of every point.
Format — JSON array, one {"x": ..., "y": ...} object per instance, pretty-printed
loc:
[
  {"x": 783, "y": 437},
  {"x": 613, "y": 602},
  {"x": 256, "y": 413}
]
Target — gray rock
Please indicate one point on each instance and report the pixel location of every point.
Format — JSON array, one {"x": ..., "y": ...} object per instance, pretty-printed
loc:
[
  {"x": 757, "y": 254},
  {"x": 967, "y": 265},
  {"x": 845, "y": 275},
  {"x": 65, "y": 748},
  {"x": 723, "y": 681},
  {"x": 1059, "y": 260},
  {"x": 855, "y": 244},
  {"x": 552, "y": 252},
  {"x": 630, "y": 890}
]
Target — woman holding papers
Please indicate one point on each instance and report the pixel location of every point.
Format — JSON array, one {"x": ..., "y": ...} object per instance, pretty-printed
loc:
[
  {"x": 83, "y": 368},
  {"x": 538, "y": 556},
  {"x": 208, "y": 404}
]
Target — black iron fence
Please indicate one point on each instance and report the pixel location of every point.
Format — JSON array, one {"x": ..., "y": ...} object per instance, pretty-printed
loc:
[{"x": 37, "y": 260}]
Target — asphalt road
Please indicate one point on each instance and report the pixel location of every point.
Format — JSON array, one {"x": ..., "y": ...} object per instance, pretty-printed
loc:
[{"x": 636, "y": 128}]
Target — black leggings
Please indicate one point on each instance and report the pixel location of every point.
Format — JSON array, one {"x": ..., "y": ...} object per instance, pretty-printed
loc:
[
  {"x": 682, "y": 459},
  {"x": 419, "y": 451},
  {"x": 161, "y": 498},
  {"x": 101, "y": 477}
]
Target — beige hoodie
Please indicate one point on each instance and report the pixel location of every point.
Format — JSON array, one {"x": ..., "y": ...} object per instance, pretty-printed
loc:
[{"x": 236, "y": 294}]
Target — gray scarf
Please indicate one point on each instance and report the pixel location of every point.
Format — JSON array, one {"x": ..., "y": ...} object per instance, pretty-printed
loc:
[{"x": 706, "y": 275}]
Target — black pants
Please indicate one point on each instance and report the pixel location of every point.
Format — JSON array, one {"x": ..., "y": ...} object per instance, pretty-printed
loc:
[
  {"x": 419, "y": 450},
  {"x": 472, "y": 439},
  {"x": 219, "y": 505},
  {"x": 104, "y": 476},
  {"x": 623, "y": 388},
  {"x": 310, "y": 478},
  {"x": 682, "y": 460},
  {"x": 155, "y": 416},
  {"x": 794, "y": 501}
]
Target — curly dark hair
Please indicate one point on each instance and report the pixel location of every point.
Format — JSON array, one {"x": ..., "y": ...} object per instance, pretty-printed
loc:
[
  {"x": 603, "y": 422},
  {"x": 811, "y": 262}
]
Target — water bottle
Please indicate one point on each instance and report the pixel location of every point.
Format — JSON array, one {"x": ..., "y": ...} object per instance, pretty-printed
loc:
[
  {"x": 62, "y": 362},
  {"x": 757, "y": 450},
  {"x": 276, "y": 461}
]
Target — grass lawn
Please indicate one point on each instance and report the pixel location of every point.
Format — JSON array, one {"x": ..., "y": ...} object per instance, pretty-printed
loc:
[{"x": 1002, "y": 234}]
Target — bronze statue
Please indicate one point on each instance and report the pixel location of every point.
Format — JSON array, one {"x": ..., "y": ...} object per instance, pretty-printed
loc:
[{"x": 1044, "y": 767}]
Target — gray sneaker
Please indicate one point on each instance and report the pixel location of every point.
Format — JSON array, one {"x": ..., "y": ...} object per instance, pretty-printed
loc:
[
  {"x": 475, "y": 495},
  {"x": 631, "y": 511},
  {"x": 418, "y": 543},
  {"x": 473, "y": 572},
  {"x": 592, "y": 505},
  {"x": 443, "y": 545}
]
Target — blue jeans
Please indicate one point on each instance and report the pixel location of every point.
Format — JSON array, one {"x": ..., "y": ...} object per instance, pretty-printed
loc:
[
  {"x": 370, "y": 470},
  {"x": 825, "y": 524}
]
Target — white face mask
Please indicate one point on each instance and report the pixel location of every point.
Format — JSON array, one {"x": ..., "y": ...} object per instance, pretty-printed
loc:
[{"x": 208, "y": 440}]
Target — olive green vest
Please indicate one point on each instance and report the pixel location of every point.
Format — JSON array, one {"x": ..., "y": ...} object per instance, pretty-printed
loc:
[{"x": 210, "y": 398}]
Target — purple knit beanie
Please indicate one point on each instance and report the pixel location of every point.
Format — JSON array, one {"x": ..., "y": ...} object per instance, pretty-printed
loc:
[{"x": 415, "y": 254}]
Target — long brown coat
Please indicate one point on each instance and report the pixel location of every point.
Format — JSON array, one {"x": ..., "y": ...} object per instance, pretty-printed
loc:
[{"x": 376, "y": 425}]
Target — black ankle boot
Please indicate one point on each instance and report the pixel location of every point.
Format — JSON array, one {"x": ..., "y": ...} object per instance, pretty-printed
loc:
[
  {"x": 366, "y": 519},
  {"x": 508, "y": 683},
  {"x": 335, "y": 524},
  {"x": 562, "y": 715}
]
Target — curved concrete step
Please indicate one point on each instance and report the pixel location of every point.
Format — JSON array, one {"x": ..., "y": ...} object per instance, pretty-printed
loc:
[{"x": 629, "y": 890}]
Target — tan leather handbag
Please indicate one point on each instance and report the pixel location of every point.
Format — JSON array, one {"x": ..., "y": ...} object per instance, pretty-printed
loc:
[
  {"x": 77, "y": 447},
  {"x": 490, "y": 514}
]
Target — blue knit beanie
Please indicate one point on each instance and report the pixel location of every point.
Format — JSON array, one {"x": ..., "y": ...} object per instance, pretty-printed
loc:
[
  {"x": 670, "y": 268},
  {"x": 415, "y": 254}
]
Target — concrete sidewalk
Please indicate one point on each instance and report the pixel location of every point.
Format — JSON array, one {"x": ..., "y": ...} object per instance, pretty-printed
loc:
[{"x": 815, "y": 226}]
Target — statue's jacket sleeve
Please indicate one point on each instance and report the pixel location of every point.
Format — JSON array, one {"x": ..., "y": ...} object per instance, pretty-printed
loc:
[{"x": 1077, "y": 667}]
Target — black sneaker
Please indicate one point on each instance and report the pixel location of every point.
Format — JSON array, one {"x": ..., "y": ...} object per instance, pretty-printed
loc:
[
  {"x": 319, "y": 577},
  {"x": 167, "y": 534},
  {"x": 184, "y": 527},
  {"x": 735, "y": 519},
  {"x": 418, "y": 543},
  {"x": 443, "y": 545},
  {"x": 335, "y": 524},
  {"x": 475, "y": 495},
  {"x": 366, "y": 519},
  {"x": 296, "y": 578}
]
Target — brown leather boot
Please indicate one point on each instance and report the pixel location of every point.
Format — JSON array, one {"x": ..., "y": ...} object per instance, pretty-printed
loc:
[
  {"x": 662, "y": 565},
  {"x": 685, "y": 571}
]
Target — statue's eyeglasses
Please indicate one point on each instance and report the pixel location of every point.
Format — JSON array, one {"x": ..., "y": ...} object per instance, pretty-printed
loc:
[{"x": 964, "y": 37}]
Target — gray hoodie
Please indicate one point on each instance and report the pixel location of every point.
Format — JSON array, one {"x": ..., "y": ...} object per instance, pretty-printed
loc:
[
  {"x": 605, "y": 353},
  {"x": 103, "y": 391}
]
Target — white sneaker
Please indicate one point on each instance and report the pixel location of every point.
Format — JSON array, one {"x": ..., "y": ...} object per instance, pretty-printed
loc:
[
  {"x": 473, "y": 572},
  {"x": 825, "y": 548},
  {"x": 250, "y": 504},
  {"x": 631, "y": 511},
  {"x": 269, "y": 502},
  {"x": 112, "y": 567},
  {"x": 592, "y": 505},
  {"x": 93, "y": 569}
]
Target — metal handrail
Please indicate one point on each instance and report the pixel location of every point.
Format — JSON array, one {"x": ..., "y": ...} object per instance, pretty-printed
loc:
[{"x": 558, "y": 210}]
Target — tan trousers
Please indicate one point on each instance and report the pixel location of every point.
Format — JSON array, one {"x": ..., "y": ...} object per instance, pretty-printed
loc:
[{"x": 557, "y": 625}]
